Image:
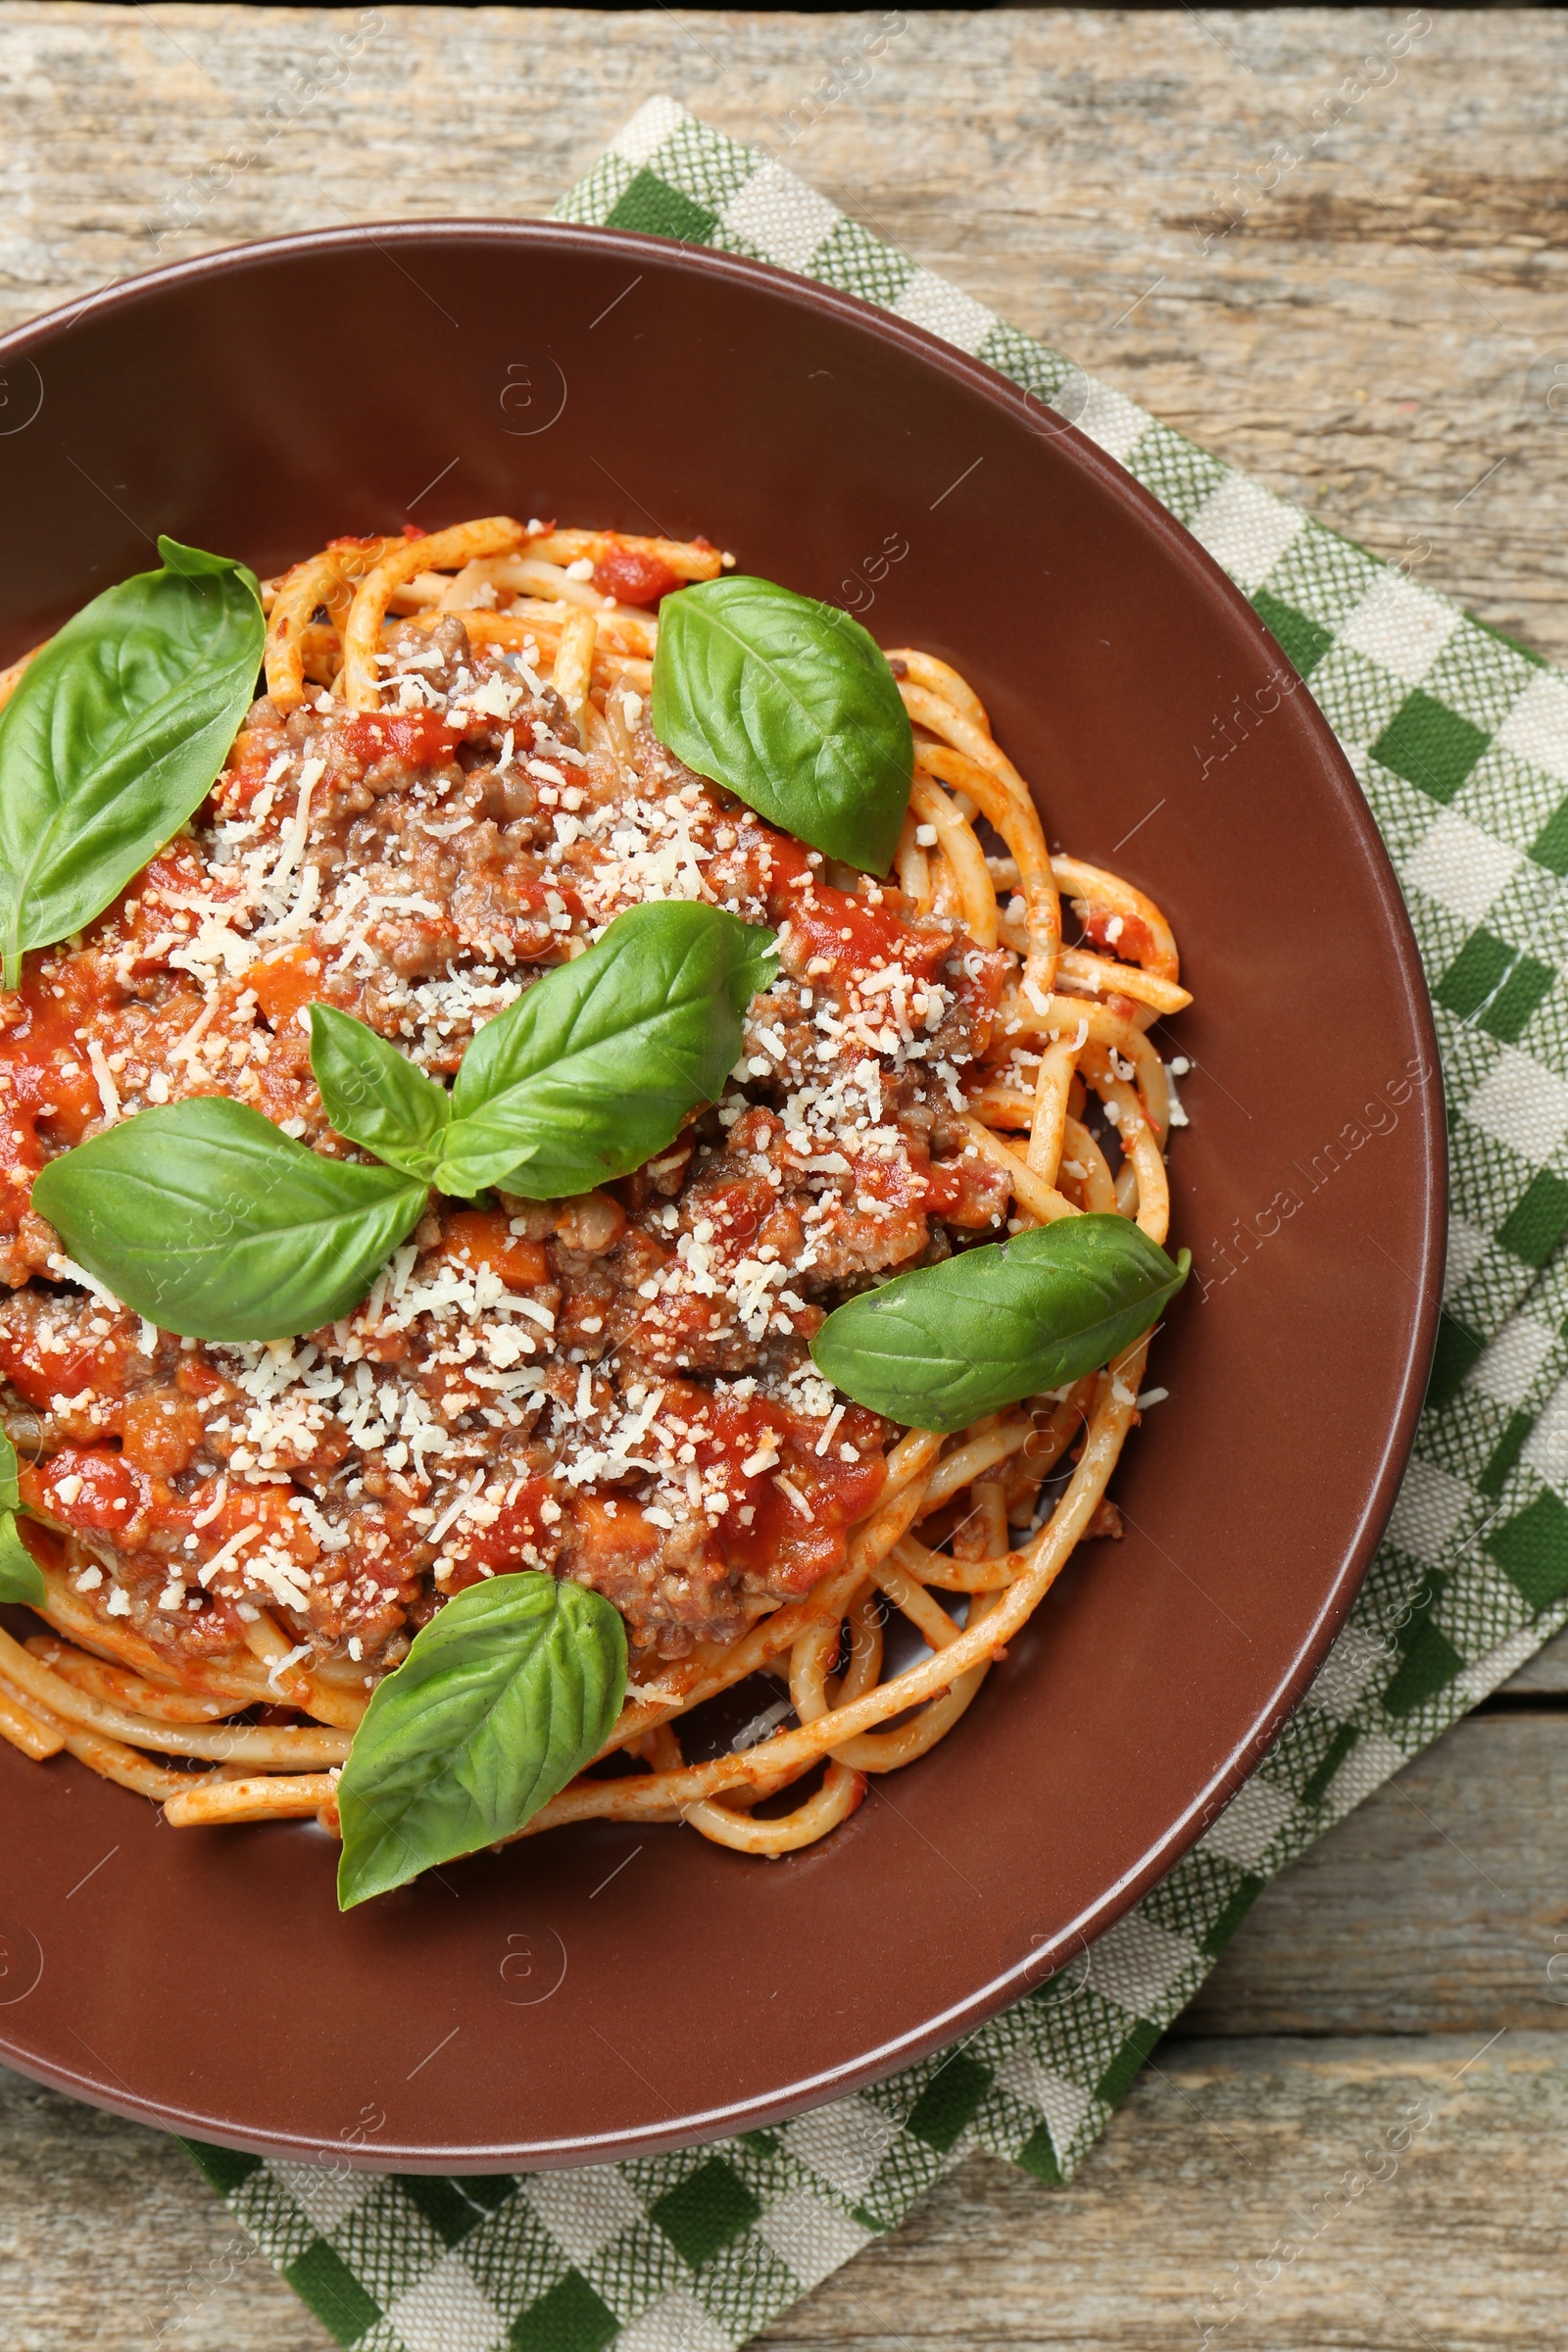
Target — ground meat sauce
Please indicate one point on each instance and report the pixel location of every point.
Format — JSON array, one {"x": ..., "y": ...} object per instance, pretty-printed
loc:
[{"x": 614, "y": 1388}]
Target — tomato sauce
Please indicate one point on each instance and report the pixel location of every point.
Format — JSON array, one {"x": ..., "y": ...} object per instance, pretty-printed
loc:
[
  {"x": 417, "y": 738},
  {"x": 844, "y": 938},
  {"x": 98, "y": 1363},
  {"x": 1133, "y": 941},
  {"x": 961, "y": 1191},
  {"x": 95, "y": 1492},
  {"x": 160, "y": 1431},
  {"x": 765, "y": 1531},
  {"x": 244, "y": 772},
  {"x": 633, "y": 578},
  {"x": 48, "y": 1093},
  {"x": 273, "y": 1509},
  {"x": 92, "y": 1489},
  {"x": 829, "y": 926},
  {"x": 529, "y": 1519}
]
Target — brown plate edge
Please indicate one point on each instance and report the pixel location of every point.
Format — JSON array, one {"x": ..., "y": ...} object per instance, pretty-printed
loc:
[{"x": 1207, "y": 1803}]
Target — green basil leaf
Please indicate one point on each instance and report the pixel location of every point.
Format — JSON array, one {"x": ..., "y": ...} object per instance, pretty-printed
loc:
[
  {"x": 375, "y": 1096},
  {"x": 20, "y": 1577},
  {"x": 937, "y": 1348},
  {"x": 114, "y": 736},
  {"x": 502, "y": 1699},
  {"x": 596, "y": 1067},
  {"x": 791, "y": 705},
  {"x": 207, "y": 1220}
]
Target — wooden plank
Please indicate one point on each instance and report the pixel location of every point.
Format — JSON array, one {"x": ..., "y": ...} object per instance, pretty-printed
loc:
[
  {"x": 1231, "y": 2155},
  {"x": 111, "y": 2241},
  {"x": 1225, "y": 2154},
  {"x": 1436, "y": 1907},
  {"x": 1545, "y": 1676},
  {"x": 1376, "y": 335}
]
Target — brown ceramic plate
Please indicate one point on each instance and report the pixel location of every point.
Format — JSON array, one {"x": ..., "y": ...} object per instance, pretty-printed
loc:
[{"x": 613, "y": 1989}]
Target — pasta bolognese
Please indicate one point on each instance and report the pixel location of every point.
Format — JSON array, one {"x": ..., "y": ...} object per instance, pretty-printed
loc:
[{"x": 452, "y": 789}]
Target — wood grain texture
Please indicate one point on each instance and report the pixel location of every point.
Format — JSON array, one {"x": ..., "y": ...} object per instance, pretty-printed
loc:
[
  {"x": 1545, "y": 1676},
  {"x": 1381, "y": 334},
  {"x": 1376, "y": 335},
  {"x": 1233, "y": 2154},
  {"x": 1438, "y": 1906},
  {"x": 109, "y": 2237}
]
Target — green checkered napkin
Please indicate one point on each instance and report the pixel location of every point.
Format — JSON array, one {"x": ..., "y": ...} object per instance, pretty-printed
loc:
[{"x": 1461, "y": 741}]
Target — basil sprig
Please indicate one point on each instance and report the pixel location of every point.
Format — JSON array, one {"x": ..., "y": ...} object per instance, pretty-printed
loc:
[
  {"x": 939, "y": 1348},
  {"x": 375, "y": 1096},
  {"x": 502, "y": 1698},
  {"x": 209, "y": 1221},
  {"x": 114, "y": 736},
  {"x": 595, "y": 1069},
  {"x": 587, "y": 1076},
  {"x": 20, "y": 1578},
  {"x": 205, "y": 1219},
  {"x": 791, "y": 705}
]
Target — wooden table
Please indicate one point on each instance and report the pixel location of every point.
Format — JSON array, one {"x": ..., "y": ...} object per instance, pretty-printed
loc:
[{"x": 1382, "y": 334}]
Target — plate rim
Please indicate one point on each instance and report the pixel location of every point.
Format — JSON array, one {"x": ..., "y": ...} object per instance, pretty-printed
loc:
[{"x": 1204, "y": 1805}]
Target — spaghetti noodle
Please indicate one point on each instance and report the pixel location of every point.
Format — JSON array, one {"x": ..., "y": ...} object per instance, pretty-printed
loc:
[{"x": 449, "y": 783}]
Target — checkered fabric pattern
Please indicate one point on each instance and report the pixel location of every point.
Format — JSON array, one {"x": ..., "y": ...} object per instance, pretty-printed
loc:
[{"x": 1461, "y": 741}]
